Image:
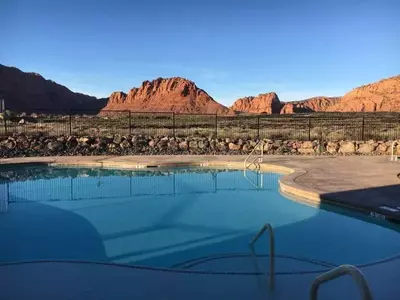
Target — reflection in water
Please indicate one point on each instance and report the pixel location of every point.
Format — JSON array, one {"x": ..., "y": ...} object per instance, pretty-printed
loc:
[{"x": 107, "y": 185}]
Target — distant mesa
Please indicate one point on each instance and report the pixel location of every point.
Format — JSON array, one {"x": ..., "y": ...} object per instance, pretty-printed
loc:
[
  {"x": 381, "y": 96},
  {"x": 28, "y": 92},
  {"x": 264, "y": 103},
  {"x": 174, "y": 94},
  {"x": 315, "y": 104},
  {"x": 31, "y": 92}
]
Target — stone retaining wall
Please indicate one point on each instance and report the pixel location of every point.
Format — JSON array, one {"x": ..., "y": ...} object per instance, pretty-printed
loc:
[{"x": 21, "y": 145}]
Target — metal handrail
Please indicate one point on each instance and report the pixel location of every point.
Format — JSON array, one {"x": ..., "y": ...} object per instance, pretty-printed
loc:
[
  {"x": 258, "y": 185},
  {"x": 267, "y": 227},
  {"x": 338, "y": 272},
  {"x": 393, "y": 157},
  {"x": 261, "y": 142}
]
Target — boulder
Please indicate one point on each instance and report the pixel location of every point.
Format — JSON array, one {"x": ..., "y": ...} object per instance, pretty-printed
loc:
[
  {"x": 183, "y": 145},
  {"x": 267, "y": 147},
  {"x": 347, "y": 148},
  {"x": 111, "y": 147},
  {"x": 307, "y": 145},
  {"x": 203, "y": 144},
  {"x": 234, "y": 147},
  {"x": 83, "y": 140},
  {"x": 213, "y": 144},
  {"x": 366, "y": 148},
  {"x": 277, "y": 144},
  {"x": 193, "y": 145},
  {"x": 125, "y": 144},
  {"x": 332, "y": 147},
  {"x": 173, "y": 145},
  {"x": 283, "y": 150},
  {"x": 117, "y": 139},
  {"x": 306, "y": 151},
  {"x": 55, "y": 146},
  {"x": 222, "y": 146},
  {"x": 162, "y": 144},
  {"x": 71, "y": 142},
  {"x": 382, "y": 148},
  {"x": 252, "y": 143}
]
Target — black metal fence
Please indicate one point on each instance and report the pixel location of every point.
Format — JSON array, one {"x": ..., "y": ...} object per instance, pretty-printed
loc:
[{"x": 353, "y": 126}]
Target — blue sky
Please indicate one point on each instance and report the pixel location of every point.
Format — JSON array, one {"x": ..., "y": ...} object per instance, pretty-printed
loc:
[{"x": 229, "y": 48}]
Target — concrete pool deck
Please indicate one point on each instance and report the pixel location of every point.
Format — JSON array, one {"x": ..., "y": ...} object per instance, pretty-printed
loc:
[{"x": 367, "y": 183}]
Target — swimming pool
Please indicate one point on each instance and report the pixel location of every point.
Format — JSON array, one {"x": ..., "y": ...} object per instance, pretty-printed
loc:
[{"x": 182, "y": 218}]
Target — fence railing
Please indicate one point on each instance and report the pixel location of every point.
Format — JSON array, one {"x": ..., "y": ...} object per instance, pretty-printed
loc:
[{"x": 297, "y": 127}]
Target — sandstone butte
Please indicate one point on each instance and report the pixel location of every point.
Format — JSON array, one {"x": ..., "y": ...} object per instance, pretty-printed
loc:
[
  {"x": 31, "y": 92},
  {"x": 383, "y": 96},
  {"x": 264, "y": 103},
  {"x": 315, "y": 104},
  {"x": 174, "y": 94}
]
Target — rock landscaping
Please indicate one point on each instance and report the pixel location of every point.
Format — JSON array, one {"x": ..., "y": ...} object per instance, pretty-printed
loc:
[{"x": 22, "y": 145}]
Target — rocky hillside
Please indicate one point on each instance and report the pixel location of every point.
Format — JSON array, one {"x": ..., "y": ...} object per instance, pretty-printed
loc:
[
  {"x": 315, "y": 104},
  {"x": 27, "y": 92},
  {"x": 381, "y": 96},
  {"x": 174, "y": 94},
  {"x": 264, "y": 103}
]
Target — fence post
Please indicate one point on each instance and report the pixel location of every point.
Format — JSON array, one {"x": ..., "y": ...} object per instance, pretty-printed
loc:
[
  {"x": 130, "y": 122},
  {"x": 173, "y": 124},
  {"x": 5, "y": 124},
  {"x": 309, "y": 128},
  {"x": 216, "y": 125},
  {"x": 70, "y": 123},
  {"x": 258, "y": 127},
  {"x": 362, "y": 128}
]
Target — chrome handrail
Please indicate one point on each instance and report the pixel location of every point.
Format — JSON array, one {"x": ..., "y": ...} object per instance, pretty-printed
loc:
[
  {"x": 338, "y": 272},
  {"x": 267, "y": 227},
  {"x": 260, "y": 143},
  {"x": 257, "y": 186},
  {"x": 393, "y": 157}
]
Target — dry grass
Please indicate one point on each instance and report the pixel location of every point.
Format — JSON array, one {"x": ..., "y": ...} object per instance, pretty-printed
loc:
[{"x": 156, "y": 124}]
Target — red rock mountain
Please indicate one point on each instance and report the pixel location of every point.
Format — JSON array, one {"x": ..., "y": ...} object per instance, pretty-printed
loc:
[
  {"x": 174, "y": 94},
  {"x": 31, "y": 92},
  {"x": 263, "y": 103},
  {"x": 315, "y": 104},
  {"x": 381, "y": 96}
]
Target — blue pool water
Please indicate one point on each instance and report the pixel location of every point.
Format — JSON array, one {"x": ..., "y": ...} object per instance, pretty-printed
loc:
[{"x": 178, "y": 218}]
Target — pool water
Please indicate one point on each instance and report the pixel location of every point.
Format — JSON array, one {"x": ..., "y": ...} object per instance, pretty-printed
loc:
[{"x": 196, "y": 219}]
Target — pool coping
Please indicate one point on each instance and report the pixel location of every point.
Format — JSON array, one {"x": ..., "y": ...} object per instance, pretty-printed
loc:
[{"x": 287, "y": 183}]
